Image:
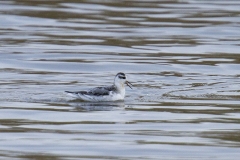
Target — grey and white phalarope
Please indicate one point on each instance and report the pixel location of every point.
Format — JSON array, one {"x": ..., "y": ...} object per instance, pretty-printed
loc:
[{"x": 107, "y": 93}]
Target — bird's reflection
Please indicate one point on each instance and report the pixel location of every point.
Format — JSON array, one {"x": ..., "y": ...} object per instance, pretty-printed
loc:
[{"x": 96, "y": 106}]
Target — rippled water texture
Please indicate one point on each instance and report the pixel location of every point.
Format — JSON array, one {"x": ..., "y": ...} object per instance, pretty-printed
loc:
[{"x": 183, "y": 58}]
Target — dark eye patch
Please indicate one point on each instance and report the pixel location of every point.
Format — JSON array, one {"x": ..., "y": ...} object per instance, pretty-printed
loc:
[{"x": 122, "y": 77}]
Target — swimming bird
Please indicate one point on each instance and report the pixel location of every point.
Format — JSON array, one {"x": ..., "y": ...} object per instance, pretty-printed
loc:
[{"x": 107, "y": 93}]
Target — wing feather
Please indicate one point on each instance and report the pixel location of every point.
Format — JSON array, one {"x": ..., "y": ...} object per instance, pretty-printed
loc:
[
  {"x": 101, "y": 91},
  {"x": 98, "y": 91}
]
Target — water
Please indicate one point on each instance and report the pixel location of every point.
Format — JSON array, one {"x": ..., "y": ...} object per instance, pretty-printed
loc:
[{"x": 181, "y": 56}]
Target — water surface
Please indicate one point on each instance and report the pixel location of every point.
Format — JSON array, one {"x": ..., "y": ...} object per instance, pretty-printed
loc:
[{"x": 181, "y": 56}]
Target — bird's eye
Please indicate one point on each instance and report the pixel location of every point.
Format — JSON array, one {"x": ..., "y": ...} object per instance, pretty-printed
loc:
[{"x": 121, "y": 77}]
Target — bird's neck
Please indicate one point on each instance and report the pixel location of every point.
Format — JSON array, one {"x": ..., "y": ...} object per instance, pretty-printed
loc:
[{"x": 120, "y": 87}]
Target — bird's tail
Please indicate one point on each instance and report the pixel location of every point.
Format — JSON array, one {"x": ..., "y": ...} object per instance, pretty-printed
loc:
[{"x": 72, "y": 94}]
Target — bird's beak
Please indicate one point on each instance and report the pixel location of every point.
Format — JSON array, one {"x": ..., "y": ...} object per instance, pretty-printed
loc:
[{"x": 128, "y": 84}]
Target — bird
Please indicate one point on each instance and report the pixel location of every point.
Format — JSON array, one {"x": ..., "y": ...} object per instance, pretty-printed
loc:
[{"x": 113, "y": 92}]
